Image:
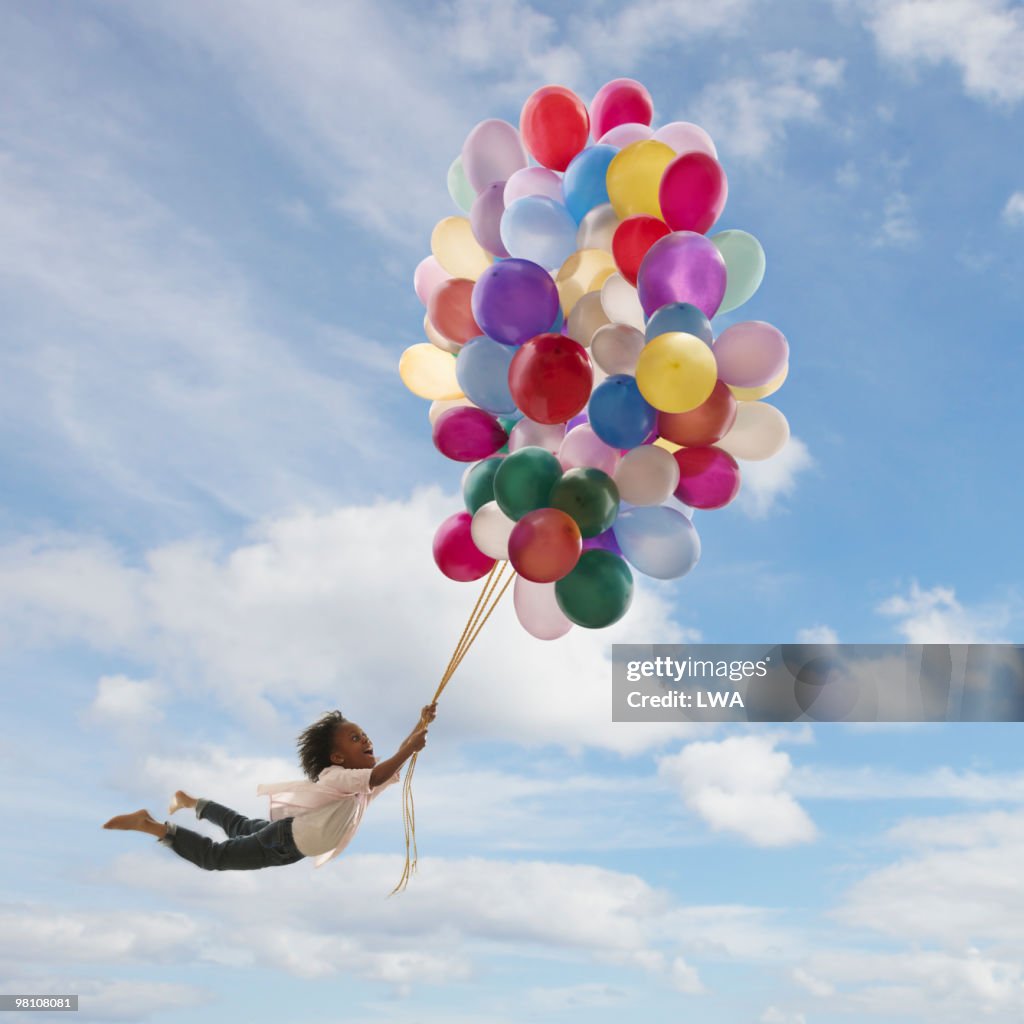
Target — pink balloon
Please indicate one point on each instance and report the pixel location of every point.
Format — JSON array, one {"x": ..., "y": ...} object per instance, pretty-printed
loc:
[
  {"x": 427, "y": 276},
  {"x": 529, "y": 434},
  {"x": 582, "y": 447},
  {"x": 467, "y": 434},
  {"x": 485, "y": 217},
  {"x": 622, "y": 135},
  {"x": 538, "y": 611},
  {"x": 693, "y": 192},
  {"x": 750, "y": 354},
  {"x": 620, "y": 101},
  {"x": 455, "y": 553},
  {"x": 493, "y": 151},
  {"x": 682, "y": 267},
  {"x": 685, "y": 137},
  {"x": 533, "y": 181},
  {"x": 708, "y": 477}
]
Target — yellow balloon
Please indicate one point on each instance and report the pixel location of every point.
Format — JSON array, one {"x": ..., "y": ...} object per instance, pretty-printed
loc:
[
  {"x": 428, "y": 372},
  {"x": 584, "y": 271},
  {"x": 634, "y": 177},
  {"x": 753, "y": 394},
  {"x": 676, "y": 372},
  {"x": 669, "y": 446},
  {"x": 455, "y": 247}
]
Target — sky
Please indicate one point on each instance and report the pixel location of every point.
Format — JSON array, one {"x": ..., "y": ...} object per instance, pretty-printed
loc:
[{"x": 218, "y": 505}]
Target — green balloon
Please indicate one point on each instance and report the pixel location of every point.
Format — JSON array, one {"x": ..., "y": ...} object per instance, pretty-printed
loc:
[
  {"x": 590, "y": 497},
  {"x": 744, "y": 266},
  {"x": 478, "y": 488},
  {"x": 458, "y": 187},
  {"x": 597, "y": 592},
  {"x": 524, "y": 480}
]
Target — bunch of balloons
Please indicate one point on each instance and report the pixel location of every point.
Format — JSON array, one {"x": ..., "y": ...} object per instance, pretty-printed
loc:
[{"x": 571, "y": 357}]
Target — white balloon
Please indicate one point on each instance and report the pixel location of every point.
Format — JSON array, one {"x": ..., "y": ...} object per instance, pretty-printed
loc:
[
  {"x": 586, "y": 318},
  {"x": 759, "y": 432},
  {"x": 435, "y": 337},
  {"x": 621, "y": 303},
  {"x": 597, "y": 228},
  {"x": 582, "y": 447},
  {"x": 616, "y": 348},
  {"x": 490, "y": 531},
  {"x": 647, "y": 475},
  {"x": 537, "y": 609},
  {"x": 526, "y": 434}
]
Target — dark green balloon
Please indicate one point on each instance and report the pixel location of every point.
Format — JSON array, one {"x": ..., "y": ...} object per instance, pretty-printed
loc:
[
  {"x": 479, "y": 486},
  {"x": 589, "y": 496},
  {"x": 597, "y": 592},
  {"x": 524, "y": 480}
]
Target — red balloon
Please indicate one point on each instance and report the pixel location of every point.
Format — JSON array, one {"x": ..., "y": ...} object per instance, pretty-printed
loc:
[
  {"x": 555, "y": 126},
  {"x": 621, "y": 101},
  {"x": 705, "y": 425},
  {"x": 708, "y": 477},
  {"x": 455, "y": 553},
  {"x": 545, "y": 545},
  {"x": 693, "y": 192},
  {"x": 632, "y": 238},
  {"x": 450, "y": 310},
  {"x": 550, "y": 378}
]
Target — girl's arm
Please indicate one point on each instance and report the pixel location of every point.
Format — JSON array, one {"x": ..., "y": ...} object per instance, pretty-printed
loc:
[
  {"x": 415, "y": 742},
  {"x": 427, "y": 715}
]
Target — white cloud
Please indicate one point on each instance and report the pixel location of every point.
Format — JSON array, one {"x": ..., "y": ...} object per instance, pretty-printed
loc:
[
  {"x": 898, "y": 228},
  {"x": 121, "y": 701},
  {"x": 814, "y": 985},
  {"x": 773, "y": 1015},
  {"x": 572, "y": 997},
  {"x": 1013, "y": 211},
  {"x": 868, "y": 782},
  {"x": 935, "y": 616},
  {"x": 765, "y": 483},
  {"x": 817, "y": 635}
]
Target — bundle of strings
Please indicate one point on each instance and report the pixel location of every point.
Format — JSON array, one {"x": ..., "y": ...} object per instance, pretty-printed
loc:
[{"x": 489, "y": 597}]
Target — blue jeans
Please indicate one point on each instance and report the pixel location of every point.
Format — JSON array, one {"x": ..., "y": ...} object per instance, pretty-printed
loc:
[{"x": 252, "y": 843}]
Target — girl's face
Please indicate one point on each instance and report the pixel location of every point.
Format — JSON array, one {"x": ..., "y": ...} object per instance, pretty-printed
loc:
[{"x": 352, "y": 747}]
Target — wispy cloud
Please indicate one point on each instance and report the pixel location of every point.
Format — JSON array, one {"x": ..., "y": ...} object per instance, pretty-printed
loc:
[
  {"x": 927, "y": 616},
  {"x": 765, "y": 484},
  {"x": 1013, "y": 211}
]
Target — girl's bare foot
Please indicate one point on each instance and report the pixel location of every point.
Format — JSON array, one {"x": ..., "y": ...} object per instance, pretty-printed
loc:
[
  {"x": 139, "y": 821},
  {"x": 181, "y": 799}
]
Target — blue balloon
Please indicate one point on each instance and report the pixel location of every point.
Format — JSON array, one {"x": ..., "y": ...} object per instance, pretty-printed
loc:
[
  {"x": 584, "y": 184},
  {"x": 681, "y": 317},
  {"x": 482, "y": 372},
  {"x": 538, "y": 229},
  {"x": 556, "y": 327},
  {"x": 659, "y": 541},
  {"x": 619, "y": 414}
]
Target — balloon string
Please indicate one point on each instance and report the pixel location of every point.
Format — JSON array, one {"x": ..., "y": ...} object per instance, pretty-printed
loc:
[{"x": 485, "y": 605}]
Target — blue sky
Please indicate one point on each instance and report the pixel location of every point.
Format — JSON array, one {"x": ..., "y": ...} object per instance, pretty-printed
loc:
[{"x": 219, "y": 501}]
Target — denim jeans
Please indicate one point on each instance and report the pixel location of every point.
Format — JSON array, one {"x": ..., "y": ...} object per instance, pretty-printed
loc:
[{"x": 252, "y": 843}]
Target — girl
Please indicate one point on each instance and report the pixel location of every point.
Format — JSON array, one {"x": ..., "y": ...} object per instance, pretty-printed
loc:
[{"x": 315, "y": 818}]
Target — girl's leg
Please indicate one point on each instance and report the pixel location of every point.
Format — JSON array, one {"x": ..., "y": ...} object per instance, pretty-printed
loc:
[
  {"x": 269, "y": 847},
  {"x": 233, "y": 823}
]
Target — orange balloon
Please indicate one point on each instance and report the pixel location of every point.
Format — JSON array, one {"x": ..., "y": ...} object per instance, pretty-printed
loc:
[
  {"x": 545, "y": 545},
  {"x": 705, "y": 425},
  {"x": 450, "y": 311}
]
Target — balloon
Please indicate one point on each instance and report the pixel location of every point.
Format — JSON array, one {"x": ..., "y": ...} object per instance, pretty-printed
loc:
[
  {"x": 582, "y": 447},
  {"x": 550, "y": 378},
  {"x": 708, "y": 477},
  {"x": 485, "y": 217},
  {"x": 493, "y": 151},
  {"x": 632, "y": 238},
  {"x": 533, "y": 181},
  {"x": 744, "y": 266},
  {"x": 437, "y": 339},
  {"x": 621, "y": 101},
  {"x": 589, "y": 496},
  {"x": 685, "y": 137},
  {"x": 455, "y": 553},
  {"x": 681, "y": 317},
  {"x": 682, "y": 267},
  {"x": 620, "y": 302},
  {"x": 457, "y": 250},
  {"x": 459, "y": 188},
  {"x": 482, "y": 372},
  {"x": 428, "y": 372},
  {"x": 524, "y": 480},
  {"x": 604, "y": 542},
  {"x": 490, "y": 530},
  {"x": 466, "y": 435},
  {"x": 427, "y": 276},
  {"x": 527, "y": 434},
  {"x": 554, "y": 125},
  {"x": 597, "y": 592},
  {"x": 544, "y": 545},
  {"x": 584, "y": 184},
  {"x": 586, "y": 318},
  {"x": 754, "y": 394},
  {"x": 647, "y": 475},
  {"x": 538, "y": 229},
  {"x": 597, "y": 228},
  {"x": 583, "y": 272},
  {"x": 670, "y": 446},
  {"x": 514, "y": 300},
  {"x": 624, "y": 135},
  {"x": 658, "y": 541},
  {"x": 442, "y": 406},
  {"x": 478, "y": 484},
  {"x": 634, "y": 176},
  {"x": 615, "y": 348},
  {"x": 538, "y": 611},
  {"x": 619, "y": 414},
  {"x": 676, "y": 372},
  {"x": 750, "y": 354},
  {"x": 705, "y": 425},
  {"x": 450, "y": 311},
  {"x": 693, "y": 192},
  {"x": 760, "y": 431}
]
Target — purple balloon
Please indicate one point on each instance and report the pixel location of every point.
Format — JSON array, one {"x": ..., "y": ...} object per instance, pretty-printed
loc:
[
  {"x": 515, "y": 300},
  {"x": 682, "y": 267},
  {"x": 466, "y": 434},
  {"x": 576, "y": 421},
  {"x": 485, "y": 218},
  {"x": 604, "y": 541}
]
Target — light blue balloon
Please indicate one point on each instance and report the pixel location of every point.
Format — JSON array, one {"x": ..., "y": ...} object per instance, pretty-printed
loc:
[
  {"x": 658, "y": 541},
  {"x": 682, "y": 317},
  {"x": 744, "y": 266},
  {"x": 482, "y": 372},
  {"x": 459, "y": 188},
  {"x": 584, "y": 185},
  {"x": 538, "y": 229}
]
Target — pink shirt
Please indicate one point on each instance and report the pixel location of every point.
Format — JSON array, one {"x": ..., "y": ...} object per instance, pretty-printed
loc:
[{"x": 327, "y": 812}]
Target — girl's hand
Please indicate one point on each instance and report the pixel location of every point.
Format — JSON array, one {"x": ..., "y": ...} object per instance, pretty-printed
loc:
[
  {"x": 417, "y": 739},
  {"x": 429, "y": 713}
]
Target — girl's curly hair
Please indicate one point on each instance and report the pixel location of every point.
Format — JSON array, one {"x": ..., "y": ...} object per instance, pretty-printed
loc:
[{"x": 317, "y": 742}]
